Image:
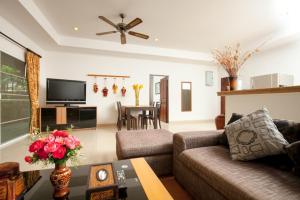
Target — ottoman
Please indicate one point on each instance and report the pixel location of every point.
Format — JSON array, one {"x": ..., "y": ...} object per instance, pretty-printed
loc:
[{"x": 155, "y": 145}]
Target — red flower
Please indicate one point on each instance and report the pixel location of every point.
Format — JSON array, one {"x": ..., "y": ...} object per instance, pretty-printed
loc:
[
  {"x": 36, "y": 146},
  {"x": 28, "y": 159},
  {"x": 51, "y": 147},
  {"x": 57, "y": 133},
  {"x": 59, "y": 153},
  {"x": 42, "y": 154}
]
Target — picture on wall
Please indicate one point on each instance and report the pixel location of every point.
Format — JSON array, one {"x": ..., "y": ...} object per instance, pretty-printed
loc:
[{"x": 157, "y": 88}]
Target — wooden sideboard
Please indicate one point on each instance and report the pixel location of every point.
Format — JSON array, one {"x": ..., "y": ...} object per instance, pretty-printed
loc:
[{"x": 67, "y": 117}]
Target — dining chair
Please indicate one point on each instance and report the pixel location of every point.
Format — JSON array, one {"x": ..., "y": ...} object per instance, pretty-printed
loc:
[
  {"x": 150, "y": 117},
  {"x": 158, "y": 107},
  {"x": 122, "y": 118}
]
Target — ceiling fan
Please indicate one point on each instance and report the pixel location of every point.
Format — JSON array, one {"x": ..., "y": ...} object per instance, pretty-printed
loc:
[{"x": 123, "y": 28}]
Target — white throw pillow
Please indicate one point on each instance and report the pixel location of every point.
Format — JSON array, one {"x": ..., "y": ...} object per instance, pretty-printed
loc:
[{"x": 254, "y": 136}]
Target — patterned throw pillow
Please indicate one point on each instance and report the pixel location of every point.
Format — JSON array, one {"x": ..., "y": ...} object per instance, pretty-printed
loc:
[
  {"x": 223, "y": 138},
  {"x": 254, "y": 136}
]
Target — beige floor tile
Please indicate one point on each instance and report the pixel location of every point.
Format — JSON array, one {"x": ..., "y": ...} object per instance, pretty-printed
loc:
[{"x": 98, "y": 145}]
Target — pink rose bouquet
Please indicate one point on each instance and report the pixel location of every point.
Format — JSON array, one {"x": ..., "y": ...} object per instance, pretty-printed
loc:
[{"x": 57, "y": 148}]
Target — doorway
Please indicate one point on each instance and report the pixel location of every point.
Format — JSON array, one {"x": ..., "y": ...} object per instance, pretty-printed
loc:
[{"x": 159, "y": 92}]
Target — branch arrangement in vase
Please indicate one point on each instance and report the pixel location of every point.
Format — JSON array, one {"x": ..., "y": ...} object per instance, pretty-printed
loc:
[{"x": 232, "y": 59}]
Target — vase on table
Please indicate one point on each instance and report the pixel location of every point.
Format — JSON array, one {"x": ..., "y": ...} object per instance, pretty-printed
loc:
[
  {"x": 57, "y": 147},
  {"x": 137, "y": 88},
  {"x": 233, "y": 82},
  {"x": 60, "y": 179},
  {"x": 137, "y": 98}
]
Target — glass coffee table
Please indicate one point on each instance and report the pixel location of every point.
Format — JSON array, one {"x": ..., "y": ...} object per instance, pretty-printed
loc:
[{"x": 145, "y": 184}]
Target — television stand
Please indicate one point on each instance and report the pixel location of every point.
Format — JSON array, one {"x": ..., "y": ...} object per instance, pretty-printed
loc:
[
  {"x": 68, "y": 106},
  {"x": 62, "y": 117}
]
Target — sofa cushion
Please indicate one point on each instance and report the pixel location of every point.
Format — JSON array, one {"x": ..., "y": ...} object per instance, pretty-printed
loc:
[
  {"x": 240, "y": 180},
  {"x": 289, "y": 129},
  {"x": 293, "y": 150},
  {"x": 141, "y": 143},
  {"x": 254, "y": 136}
]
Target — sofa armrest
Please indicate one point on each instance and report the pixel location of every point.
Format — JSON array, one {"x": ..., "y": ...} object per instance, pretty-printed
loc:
[{"x": 190, "y": 140}]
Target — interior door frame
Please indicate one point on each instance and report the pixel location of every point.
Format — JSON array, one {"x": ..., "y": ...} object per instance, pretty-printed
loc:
[{"x": 151, "y": 91}]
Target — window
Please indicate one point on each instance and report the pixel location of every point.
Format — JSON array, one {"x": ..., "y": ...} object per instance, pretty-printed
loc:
[{"x": 14, "y": 98}]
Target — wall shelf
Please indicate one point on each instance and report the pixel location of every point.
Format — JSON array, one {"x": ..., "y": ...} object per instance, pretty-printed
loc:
[{"x": 108, "y": 76}]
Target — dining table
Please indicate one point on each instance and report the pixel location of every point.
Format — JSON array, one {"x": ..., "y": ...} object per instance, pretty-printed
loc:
[{"x": 144, "y": 108}]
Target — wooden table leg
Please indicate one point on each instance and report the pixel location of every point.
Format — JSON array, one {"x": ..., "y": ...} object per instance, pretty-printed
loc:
[
  {"x": 128, "y": 118},
  {"x": 155, "y": 118}
]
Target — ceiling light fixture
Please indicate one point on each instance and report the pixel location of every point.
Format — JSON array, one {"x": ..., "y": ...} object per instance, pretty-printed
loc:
[
  {"x": 76, "y": 28},
  {"x": 156, "y": 39}
]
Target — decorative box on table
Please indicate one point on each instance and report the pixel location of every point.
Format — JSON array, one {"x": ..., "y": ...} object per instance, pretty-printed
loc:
[
  {"x": 102, "y": 189},
  {"x": 12, "y": 183}
]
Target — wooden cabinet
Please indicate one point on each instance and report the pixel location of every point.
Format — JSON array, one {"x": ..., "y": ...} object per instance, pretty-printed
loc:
[{"x": 66, "y": 117}]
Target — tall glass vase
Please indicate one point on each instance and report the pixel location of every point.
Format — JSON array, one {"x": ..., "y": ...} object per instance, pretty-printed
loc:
[{"x": 137, "y": 98}]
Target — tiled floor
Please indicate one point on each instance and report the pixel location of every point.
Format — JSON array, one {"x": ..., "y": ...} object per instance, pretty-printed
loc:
[{"x": 98, "y": 145}]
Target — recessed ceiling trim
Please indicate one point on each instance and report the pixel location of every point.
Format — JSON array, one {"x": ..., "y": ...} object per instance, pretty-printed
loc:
[
  {"x": 35, "y": 12},
  {"x": 98, "y": 44},
  {"x": 133, "y": 49}
]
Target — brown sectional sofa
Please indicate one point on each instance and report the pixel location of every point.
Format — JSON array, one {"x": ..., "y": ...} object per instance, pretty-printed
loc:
[
  {"x": 155, "y": 145},
  {"x": 206, "y": 171}
]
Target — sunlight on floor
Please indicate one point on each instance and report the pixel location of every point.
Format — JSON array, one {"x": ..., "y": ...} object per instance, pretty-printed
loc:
[{"x": 98, "y": 145}]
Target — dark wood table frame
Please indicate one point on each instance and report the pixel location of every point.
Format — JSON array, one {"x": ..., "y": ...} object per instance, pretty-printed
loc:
[{"x": 128, "y": 110}]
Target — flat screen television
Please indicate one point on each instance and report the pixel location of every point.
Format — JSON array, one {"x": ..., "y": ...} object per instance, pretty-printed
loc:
[{"x": 61, "y": 91}]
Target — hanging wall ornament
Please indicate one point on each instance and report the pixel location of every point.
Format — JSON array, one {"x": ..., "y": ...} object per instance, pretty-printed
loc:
[
  {"x": 123, "y": 90},
  {"x": 95, "y": 86},
  {"x": 105, "y": 90},
  {"x": 115, "y": 87}
]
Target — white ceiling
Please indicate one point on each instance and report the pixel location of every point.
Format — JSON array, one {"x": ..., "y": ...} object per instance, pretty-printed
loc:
[
  {"x": 197, "y": 25},
  {"x": 191, "y": 27}
]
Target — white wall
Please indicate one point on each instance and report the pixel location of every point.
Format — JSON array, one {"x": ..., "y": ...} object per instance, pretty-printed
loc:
[
  {"x": 77, "y": 66},
  {"x": 283, "y": 59},
  {"x": 245, "y": 104}
]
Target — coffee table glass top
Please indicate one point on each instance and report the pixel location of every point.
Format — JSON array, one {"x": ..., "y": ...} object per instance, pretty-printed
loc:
[{"x": 43, "y": 189}]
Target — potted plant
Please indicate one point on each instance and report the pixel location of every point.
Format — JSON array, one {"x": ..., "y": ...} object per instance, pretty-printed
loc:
[
  {"x": 57, "y": 148},
  {"x": 231, "y": 59}
]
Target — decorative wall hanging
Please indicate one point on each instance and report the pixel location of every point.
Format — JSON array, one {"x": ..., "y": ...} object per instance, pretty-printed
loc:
[
  {"x": 115, "y": 87},
  {"x": 95, "y": 86},
  {"x": 123, "y": 90},
  {"x": 137, "y": 88},
  {"x": 105, "y": 90}
]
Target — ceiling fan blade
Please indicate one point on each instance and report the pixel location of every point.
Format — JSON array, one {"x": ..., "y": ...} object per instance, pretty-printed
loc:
[
  {"x": 105, "y": 33},
  {"x": 108, "y": 21},
  {"x": 140, "y": 35},
  {"x": 133, "y": 23},
  {"x": 123, "y": 38}
]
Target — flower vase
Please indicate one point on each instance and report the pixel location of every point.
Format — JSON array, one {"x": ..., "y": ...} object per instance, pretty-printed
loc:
[
  {"x": 137, "y": 98},
  {"x": 233, "y": 82},
  {"x": 60, "y": 179}
]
